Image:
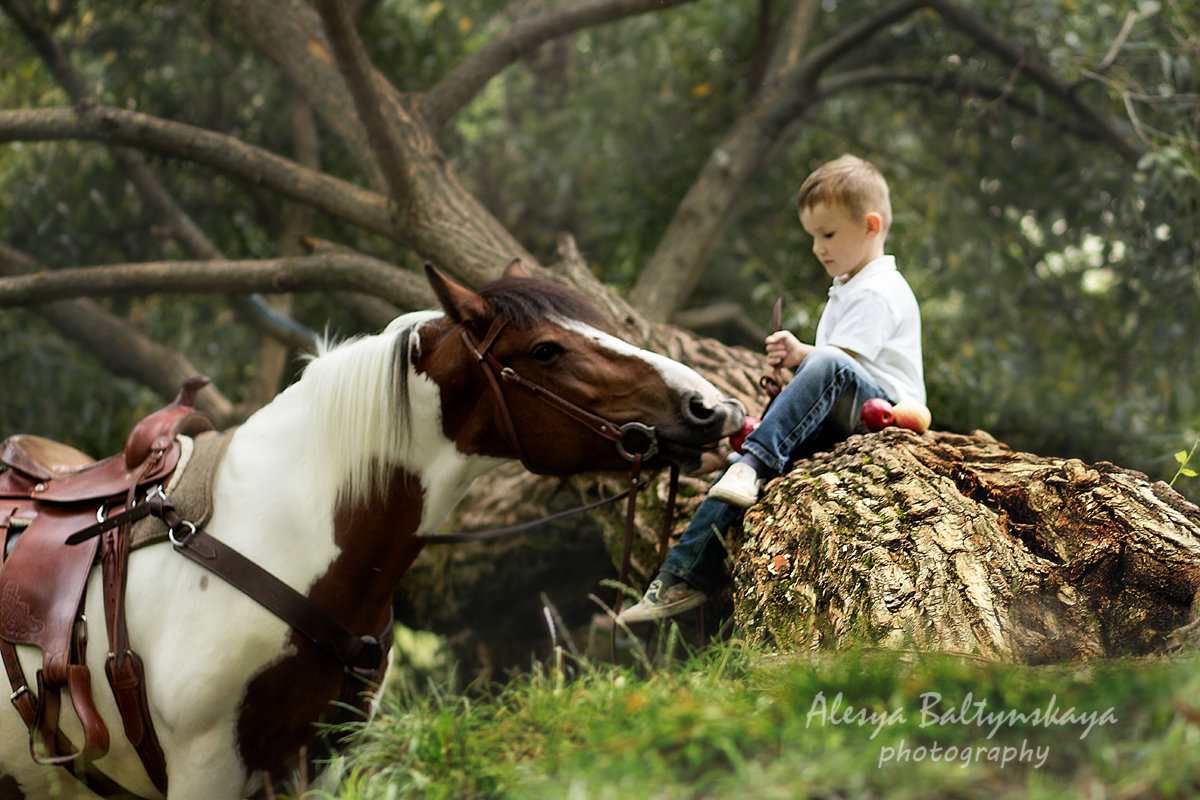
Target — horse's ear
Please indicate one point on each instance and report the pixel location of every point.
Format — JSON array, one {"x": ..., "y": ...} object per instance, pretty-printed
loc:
[
  {"x": 460, "y": 303},
  {"x": 516, "y": 269}
]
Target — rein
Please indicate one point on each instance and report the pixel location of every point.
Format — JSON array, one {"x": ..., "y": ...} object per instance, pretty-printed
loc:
[
  {"x": 620, "y": 435},
  {"x": 497, "y": 533},
  {"x": 772, "y": 382}
]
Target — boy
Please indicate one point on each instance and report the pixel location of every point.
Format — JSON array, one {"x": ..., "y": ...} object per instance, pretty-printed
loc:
[{"x": 868, "y": 344}]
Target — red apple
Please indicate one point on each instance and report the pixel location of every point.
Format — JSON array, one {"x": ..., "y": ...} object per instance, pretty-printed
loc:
[
  {"x": 877, "y": 414},
  {"x": 738, "y": 439},
  {"x": 912, "y": 415}
]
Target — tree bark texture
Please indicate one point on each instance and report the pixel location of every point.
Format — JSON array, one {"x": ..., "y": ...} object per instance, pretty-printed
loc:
[
  {"x": 448, "y": 226},
  {"x": 958, "y": 544}
]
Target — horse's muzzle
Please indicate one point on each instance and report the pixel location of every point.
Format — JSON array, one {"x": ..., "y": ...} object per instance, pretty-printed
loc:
[
  {"x": 718, "y": 421},
  {"x": 703, "y": 424}
]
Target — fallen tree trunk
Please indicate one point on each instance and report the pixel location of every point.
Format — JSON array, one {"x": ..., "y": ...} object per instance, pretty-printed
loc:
[
  {"x": 958, "y": 544},
  {"x": 940, "y": 543}
]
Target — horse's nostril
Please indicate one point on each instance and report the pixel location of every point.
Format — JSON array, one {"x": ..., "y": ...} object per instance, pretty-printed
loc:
[{"x": 697, "y": 410}]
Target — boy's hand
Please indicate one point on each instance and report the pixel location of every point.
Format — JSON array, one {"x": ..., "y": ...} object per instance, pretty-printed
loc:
[{"x": 785, "y": 350}]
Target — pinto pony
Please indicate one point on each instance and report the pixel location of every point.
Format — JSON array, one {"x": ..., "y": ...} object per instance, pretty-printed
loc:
[{"x": 334, "y": 488}]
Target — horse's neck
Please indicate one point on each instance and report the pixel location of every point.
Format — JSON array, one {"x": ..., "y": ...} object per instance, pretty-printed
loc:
[
  {"x": 276, "y": 468},
  {"x": 266, "y": 501},
  {"x": 279, "y": 503}
]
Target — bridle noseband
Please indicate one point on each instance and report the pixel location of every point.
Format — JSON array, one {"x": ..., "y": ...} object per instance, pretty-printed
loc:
[{"x": 620, "y": 435}]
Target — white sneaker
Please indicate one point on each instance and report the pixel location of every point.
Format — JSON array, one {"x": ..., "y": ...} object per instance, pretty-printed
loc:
[
  {"x": 739, "y": 486},
  {"x": 660, "y": 603}
]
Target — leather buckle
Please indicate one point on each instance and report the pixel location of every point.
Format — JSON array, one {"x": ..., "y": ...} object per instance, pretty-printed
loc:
[
  {"x": 639, "y": 429},
  {"x": 369, "y": 658},
  {"x": 191, "y": 531}
]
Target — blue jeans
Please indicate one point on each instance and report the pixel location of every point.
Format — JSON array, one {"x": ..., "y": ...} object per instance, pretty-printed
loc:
[{"x": 817, "y": 409}]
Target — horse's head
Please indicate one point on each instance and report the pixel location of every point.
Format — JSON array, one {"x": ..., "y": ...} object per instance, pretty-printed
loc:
[{"x": 526, "y": 372}]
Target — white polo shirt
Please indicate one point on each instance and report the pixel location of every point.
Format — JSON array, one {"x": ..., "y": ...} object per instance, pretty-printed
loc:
[{"x": 875, "y": 314}]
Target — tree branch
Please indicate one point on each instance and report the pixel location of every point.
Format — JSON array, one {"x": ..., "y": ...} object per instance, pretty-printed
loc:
[
  {"x": 449, "y": 226},
  {"x": 356, "y": 68},
  {"x": 462, "y": 83},
  {"x": 338, "y": 198},
  {"x": 1030, "y": 63},
  {"x": 674, "y": 270},
  {"x": 790, "y": 43},
  {"x": 709, "y": 317},
  {"x": 46, "y": 48},
  {"x": 290, "y": 33},
  {"x": 321, "y": 272},
  {"x": 118, "y": 345},
  {"x": 135, "y": 168},
  {"x": 943, "y": 82},
  {"x": 802, "y": 74}
]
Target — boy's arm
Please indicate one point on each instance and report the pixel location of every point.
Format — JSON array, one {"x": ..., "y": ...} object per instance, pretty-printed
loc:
[{"x": 785, "y": 350}]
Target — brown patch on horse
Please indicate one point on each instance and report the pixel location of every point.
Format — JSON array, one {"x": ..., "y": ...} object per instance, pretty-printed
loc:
[
  {"x": 614, "y": 386},
  {"x": 282, "y": 703},
  {"x": 10, "y": 789}
]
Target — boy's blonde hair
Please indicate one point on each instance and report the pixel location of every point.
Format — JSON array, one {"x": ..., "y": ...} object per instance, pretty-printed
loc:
[{"x": 850, "y": 183}]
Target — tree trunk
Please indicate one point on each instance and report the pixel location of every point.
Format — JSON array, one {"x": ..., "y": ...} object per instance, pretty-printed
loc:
[
  {"x": 958, "y": 544},
  {"x": 675, "y": 269},
  {"x": 444, "y": 223}
]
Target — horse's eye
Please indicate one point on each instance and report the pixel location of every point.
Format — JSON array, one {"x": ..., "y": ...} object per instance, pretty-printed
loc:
[{"x": 546, "y": 351}]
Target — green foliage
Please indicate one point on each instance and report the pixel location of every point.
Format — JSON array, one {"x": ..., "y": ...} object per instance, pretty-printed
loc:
[
  {"x": 601, "y": 134},
  {"x": 1184, "y": 457},
  {"x": 67, "y": 204},
  {"x": 730, "y": 721}
]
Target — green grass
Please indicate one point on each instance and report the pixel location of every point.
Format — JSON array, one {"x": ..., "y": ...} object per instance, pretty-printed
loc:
[{"x": 733, "y": 722}]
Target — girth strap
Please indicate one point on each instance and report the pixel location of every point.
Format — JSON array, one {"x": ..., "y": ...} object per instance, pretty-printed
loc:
[
  {"x": 124, "y": 669},
  {"x": 28, "y": 706},
  {"x": 363, "y": 656},
  {"x": 40, "y": 712}
]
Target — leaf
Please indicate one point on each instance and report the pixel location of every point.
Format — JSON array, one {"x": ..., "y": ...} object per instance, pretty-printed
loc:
[
  {"x": 1188, "y": 473},
  {"x": 1182, "y": 456}
]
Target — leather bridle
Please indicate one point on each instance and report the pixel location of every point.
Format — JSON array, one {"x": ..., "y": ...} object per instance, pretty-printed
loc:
[{"x": 622, "y": 436}]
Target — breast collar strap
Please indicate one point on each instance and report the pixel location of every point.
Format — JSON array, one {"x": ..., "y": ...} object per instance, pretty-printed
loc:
[{"x": 495, "y": 372}]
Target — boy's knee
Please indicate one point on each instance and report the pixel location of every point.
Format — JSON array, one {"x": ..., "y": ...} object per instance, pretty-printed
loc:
[{"x": 826, "y": 357}]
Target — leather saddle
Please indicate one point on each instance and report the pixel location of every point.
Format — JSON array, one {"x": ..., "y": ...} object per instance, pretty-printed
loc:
[{"x": 48, "y": 491}]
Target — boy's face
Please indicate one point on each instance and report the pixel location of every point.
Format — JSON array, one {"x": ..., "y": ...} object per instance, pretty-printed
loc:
[{"x": 843, "y": 244}]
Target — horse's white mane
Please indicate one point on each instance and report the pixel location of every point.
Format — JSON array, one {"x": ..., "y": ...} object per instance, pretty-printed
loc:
[{"x": 359, "y": 406}]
